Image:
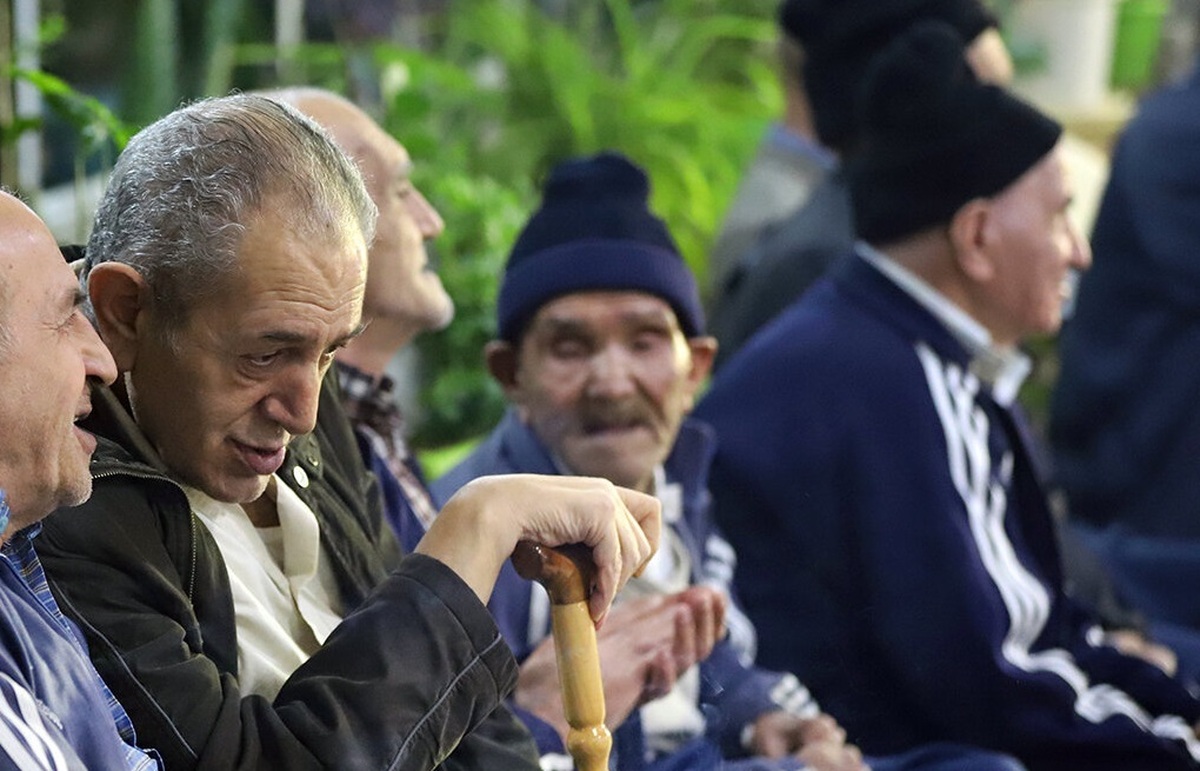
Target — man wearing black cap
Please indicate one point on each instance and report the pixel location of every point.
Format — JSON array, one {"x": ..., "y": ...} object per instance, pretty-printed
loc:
[
  {"x": 789, "y": 163},
  {"x": 601, "y": 352},
  {"x": 874, "y": 472},
  {"x": 836, "y": 40}
]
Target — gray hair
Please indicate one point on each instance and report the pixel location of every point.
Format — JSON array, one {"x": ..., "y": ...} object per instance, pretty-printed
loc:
[{"x": 185, "y": 187}]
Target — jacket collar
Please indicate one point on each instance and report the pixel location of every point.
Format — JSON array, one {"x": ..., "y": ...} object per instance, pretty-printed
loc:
[{"x": 921, "y": 313}]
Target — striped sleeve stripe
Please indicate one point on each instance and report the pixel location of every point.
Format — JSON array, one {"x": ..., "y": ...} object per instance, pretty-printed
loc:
[
  {"x": 24, "y": 737},
  {"x": 791, "y": 696},
  {"x": 966, "y": 430}
]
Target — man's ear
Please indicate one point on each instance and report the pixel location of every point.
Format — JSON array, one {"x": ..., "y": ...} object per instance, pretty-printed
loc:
[
  {"x": 969, "y": 237},
  {"x": 119, "y": 296},
  {"x": 501, "y": 359},
  {"x": 704, "y": 351}
]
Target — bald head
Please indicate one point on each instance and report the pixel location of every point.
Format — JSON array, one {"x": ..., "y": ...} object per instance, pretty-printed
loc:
[
  {"x": 351, "y": 128},
  {"x": 49, "y": 362},
  {"x": 404, "y": 296}
]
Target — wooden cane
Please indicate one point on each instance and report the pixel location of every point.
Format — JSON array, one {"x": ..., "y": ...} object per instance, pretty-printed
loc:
[{"x": 566, "y": 572}]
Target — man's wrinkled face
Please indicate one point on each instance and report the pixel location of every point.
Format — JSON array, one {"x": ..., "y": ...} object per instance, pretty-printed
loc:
[
  {"x": 1037, "y": 246},
  {"x": 49, "y": 358},
  {"x": 402, "y": 287},
  {"x": 221, "y": 400},
  {"x": 605, "y": 379}
]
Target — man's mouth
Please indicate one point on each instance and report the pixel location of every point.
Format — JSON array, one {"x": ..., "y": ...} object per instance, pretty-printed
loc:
[
  {"x": 85, "y": 438},
  {"x": 597, "y": 428},
  {"x": 262, "y": 460}
]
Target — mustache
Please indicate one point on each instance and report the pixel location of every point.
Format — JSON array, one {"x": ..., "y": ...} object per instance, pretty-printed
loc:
[{"x": 626, "y": 413}]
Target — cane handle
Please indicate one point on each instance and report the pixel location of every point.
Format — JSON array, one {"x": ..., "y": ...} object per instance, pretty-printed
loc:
[{"x": 566, "y": 572}]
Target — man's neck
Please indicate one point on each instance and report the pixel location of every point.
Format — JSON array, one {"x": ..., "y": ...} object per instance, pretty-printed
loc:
[
  {"x": 798, "y": 117},
  {"x": 371, "y": 351},
  {"x": 262, "y": 511}
]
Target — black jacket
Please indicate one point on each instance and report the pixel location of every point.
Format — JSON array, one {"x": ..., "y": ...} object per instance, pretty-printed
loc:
[{"x": 416, "y": 672}]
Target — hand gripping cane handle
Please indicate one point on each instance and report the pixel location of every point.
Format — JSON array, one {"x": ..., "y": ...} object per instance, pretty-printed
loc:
[{"x": 566, "y": 572}]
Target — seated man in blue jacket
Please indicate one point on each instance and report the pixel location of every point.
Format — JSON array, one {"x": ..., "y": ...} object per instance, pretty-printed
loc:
[
  {"x": 55, "y": 712},
  {"x": 876, "y": 474},
  {"x": 601, "y": 352}
]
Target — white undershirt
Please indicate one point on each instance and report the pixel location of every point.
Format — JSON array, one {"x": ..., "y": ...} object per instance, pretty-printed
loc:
[{"x": 285, "y": 596}]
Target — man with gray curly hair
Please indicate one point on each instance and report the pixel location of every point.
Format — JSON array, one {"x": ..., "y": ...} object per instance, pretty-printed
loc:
[{"x": 239, "y": 590}]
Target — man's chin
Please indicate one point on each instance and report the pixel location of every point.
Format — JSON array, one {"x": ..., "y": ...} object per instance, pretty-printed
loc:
[
  {"x": 240, "y": 490},
  {"x": 77, "y": 492},
  {"x": 617, "y": 469}
]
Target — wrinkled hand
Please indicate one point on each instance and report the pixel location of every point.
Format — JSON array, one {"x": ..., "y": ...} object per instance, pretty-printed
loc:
[
  {"x": 1134, "y": 643},
  {"x": 832, "y": 756},
  {"x": 479, "y": 527},
  {"x": 644, "y": 645},
  {"x": 818, "y": 741}
]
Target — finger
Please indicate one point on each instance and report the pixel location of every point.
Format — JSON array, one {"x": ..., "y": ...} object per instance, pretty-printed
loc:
[
  {"x": 685, "y": 637},
  {"x": 631, "y": 548},
  {"x": 637, "y": 614},
  {"x": 615, "y": 542},
  {"x": 700, "y": 602},
  {"x": 711, "y": 628},
  {"x": 708, "y": 606},
  {"x": 770, "y": 743},
  {"x": 660, "y": 675},
  {"x": 722, "y": 608},
  {"x": 646, "y": 511},
  {"x": 822, "y": 728}
]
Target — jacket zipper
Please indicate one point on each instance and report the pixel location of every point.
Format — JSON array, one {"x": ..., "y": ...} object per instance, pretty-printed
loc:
[{"x": 191, "y": 578}]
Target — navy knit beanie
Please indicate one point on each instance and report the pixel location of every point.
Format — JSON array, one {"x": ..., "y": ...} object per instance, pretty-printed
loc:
[
  {"x": 935, "y": 137},
  {"x": 840, "y": 37},
  {"x": 595, "y": 232}
]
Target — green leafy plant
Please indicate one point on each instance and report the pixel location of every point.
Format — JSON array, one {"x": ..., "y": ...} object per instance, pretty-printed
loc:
[
  {"x": 100, "y": 132},
  {"x": 506, "y": 91}
]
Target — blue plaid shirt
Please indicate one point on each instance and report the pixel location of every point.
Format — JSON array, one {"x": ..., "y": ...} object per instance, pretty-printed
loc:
[{"x": 19, "y": 553}]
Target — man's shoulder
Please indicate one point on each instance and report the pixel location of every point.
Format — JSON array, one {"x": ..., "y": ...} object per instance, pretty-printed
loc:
[
  {"x": 511, "y": 448},
  {"x": 492, "y": 456},
  {"x": 133, "y": 509},
  {"x": 803, "y": 341}
]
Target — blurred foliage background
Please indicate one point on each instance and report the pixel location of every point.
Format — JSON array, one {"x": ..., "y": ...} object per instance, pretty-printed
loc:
[{"x": 486, "y": 95}]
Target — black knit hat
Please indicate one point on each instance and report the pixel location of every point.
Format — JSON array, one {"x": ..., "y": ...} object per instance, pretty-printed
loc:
[
  {"x": 595, "y": 231},
  {"x": 840, "y": 37},
  {"x": 935, "y": 137}
]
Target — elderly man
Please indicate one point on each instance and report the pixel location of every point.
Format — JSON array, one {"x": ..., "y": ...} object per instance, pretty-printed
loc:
[
  {"x": 252, "y": 614},
  {"x": 55, "y": 712},
  {"x": 874, "y": 471},
  {"x": 838, "y": 39},
  {"x": 601, "y": 352},
  {"x": 404, "y": 298}
]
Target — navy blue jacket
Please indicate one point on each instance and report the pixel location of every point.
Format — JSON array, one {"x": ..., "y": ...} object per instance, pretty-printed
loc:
[
  {"x": 53, "y": 713},
  {"x": 1125, "y": 417},
  {"x": 733, "y": 692},
  {"x": 896, "y": 550}
]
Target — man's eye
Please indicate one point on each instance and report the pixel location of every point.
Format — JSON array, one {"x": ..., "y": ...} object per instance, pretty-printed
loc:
[
  {"x": 263, "y": 359},
  {"x": 566, "y": 349}
]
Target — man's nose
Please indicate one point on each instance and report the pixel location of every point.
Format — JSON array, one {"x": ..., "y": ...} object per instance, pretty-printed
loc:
[
  {"x": 98, "y": 360},
  {"x": 293, "y": 402},
  {"x": 611, "y": 374}
]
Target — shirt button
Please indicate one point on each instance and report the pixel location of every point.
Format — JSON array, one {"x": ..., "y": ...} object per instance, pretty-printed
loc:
[{"x": 300, "y": 475}]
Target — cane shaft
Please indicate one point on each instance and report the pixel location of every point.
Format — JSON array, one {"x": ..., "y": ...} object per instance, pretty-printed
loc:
[{"x": 588, "y": 740}]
